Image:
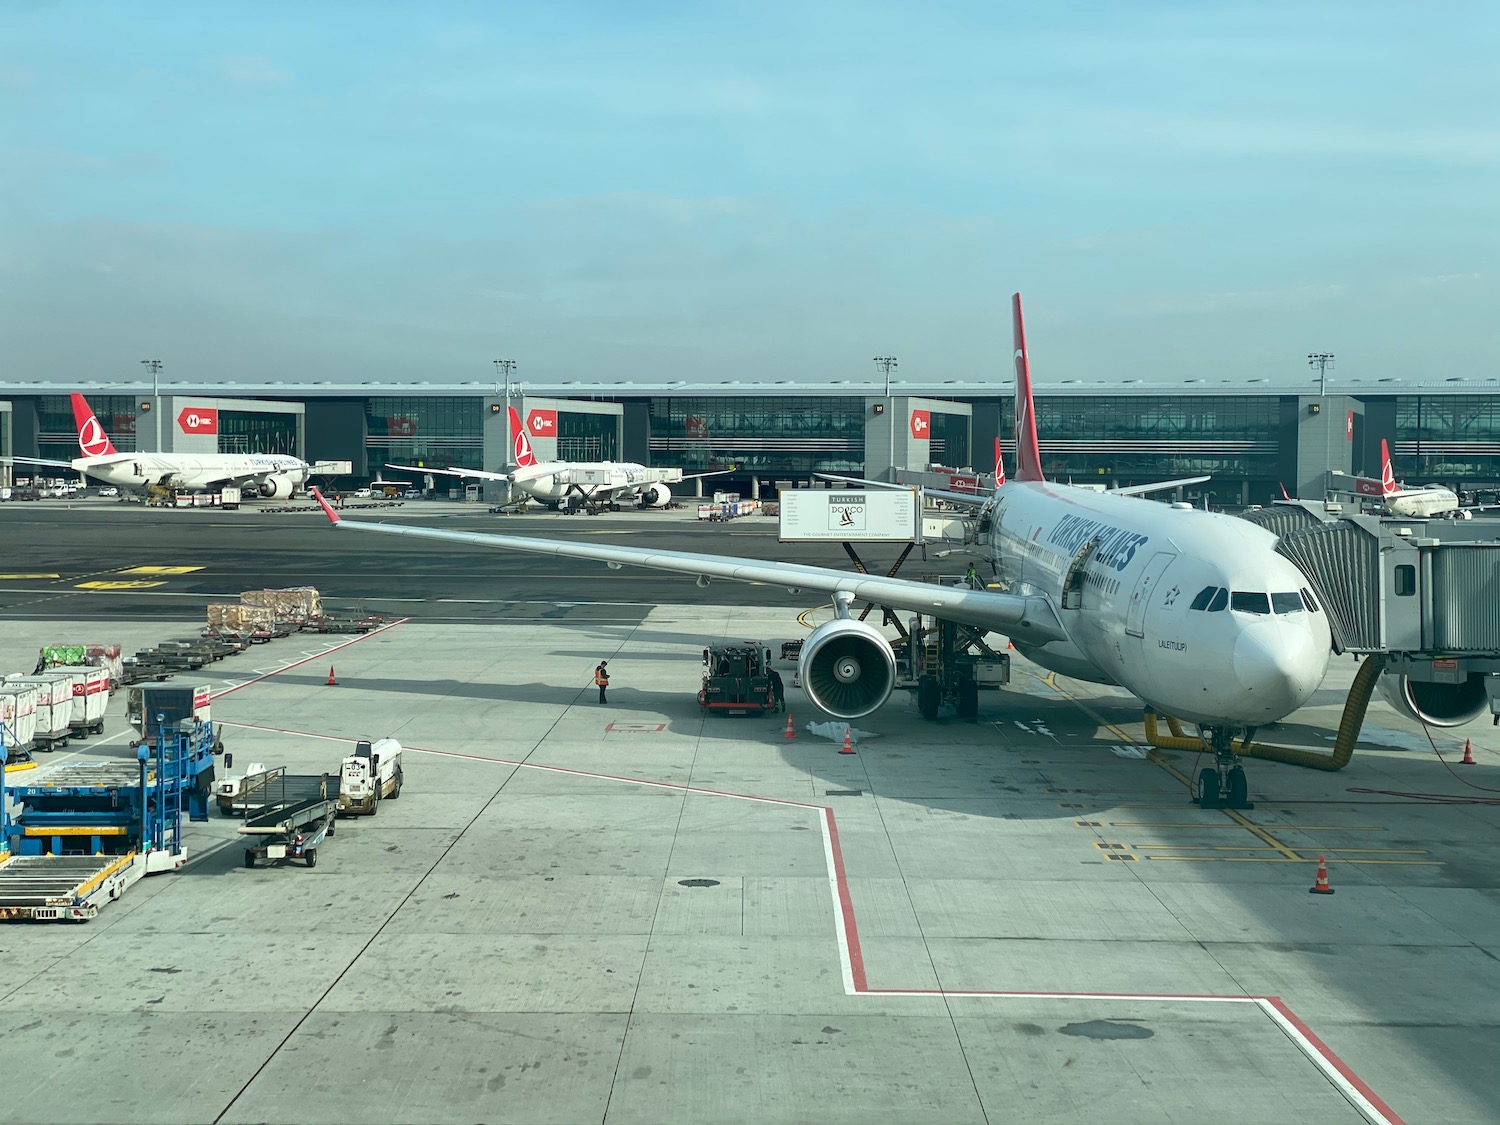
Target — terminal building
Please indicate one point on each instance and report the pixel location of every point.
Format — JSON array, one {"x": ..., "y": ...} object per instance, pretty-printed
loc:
[{"x": 1252, "y": 438}]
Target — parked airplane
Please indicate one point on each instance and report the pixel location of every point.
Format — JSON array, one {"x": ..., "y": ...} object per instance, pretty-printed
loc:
[
  {"x": 555, "y": 482},
  {"x": 1434, "y": 500},
  {"x": 1194, "y": 612},
  {"x": 272, "y": 475}
]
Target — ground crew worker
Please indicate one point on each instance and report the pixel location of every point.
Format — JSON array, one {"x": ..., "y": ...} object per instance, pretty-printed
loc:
[
  {"x": 601, "y": 677},
  {"x": 778, "y": 690},
  {"x": 971, "y": 576}
]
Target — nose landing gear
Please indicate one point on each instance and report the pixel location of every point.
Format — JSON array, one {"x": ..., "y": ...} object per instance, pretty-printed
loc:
[{"x": 1223, "y": 784}]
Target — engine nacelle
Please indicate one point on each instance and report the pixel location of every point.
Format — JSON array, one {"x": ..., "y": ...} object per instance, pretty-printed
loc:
[
  {"x": 277, "y": 485},
  {"x": 656, "y": 496},
  {"x": 847, "y": 668},
  {"x": 1437, "y": 705}
]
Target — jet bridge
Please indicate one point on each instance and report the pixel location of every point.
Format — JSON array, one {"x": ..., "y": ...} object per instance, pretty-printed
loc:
[{"x": 1419, "y": 593}]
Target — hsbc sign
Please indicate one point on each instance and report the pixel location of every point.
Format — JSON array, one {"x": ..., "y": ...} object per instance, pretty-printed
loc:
[
  {"x": 921, "y": 425},
  {"x": 198, "y": 420},
  {"x": 542, "y": 423}
]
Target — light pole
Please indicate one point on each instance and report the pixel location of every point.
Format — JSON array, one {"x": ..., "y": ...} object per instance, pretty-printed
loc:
[
  {"x": 503, "y": 368},
  {"x": 153, "y": 366},
  {"x": 885, "y": 363},
  {"x": 1322, "y": 361}
]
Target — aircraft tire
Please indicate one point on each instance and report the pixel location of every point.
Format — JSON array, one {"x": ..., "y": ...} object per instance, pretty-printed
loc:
[
  {"x": 1208, "y": 788},
  {"x": 1239, "y": 789},
  {"x": 929, "y": 697},
  {"x": 968, "y": 701}
]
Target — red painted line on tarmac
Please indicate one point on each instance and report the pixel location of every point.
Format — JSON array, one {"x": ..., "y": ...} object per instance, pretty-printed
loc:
[
  {"x": 1333, "y": 1067},
  {"x": 315, "y": 656}
]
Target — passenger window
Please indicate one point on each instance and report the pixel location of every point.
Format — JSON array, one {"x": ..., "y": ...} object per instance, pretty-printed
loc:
[
  {"x": 1406, "y": 581},
  {"x": 1205, "y": 596},
  {"x": 1312, "y": 602},
  {"x": 1286, "y": 603},
  {"x": 1246, "y": 601},
  {"x": 1221, "y": 599}
]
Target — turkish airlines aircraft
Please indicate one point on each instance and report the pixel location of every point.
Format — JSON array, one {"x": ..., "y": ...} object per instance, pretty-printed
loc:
[
  {"x": 1434, "y": 500},
  {"x": 1194, "y": 612},
  {"x": 270, "y": 474},
  {"x": 554, "y": 482}
]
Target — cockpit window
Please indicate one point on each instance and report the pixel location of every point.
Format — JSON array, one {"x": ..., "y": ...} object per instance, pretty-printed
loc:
[
  {"x": 1221, "y": 599},
  {"x": 1286, "y": 603},
  {"x": 1247, "y": 601},
  {"x": 1205, "y": 596},
  {"x": 1312, "y": 602}
]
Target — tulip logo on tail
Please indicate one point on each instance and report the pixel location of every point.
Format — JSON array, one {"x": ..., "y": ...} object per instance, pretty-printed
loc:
[
  {"x": 999, "y": 465},
  {"x": 92, "y": 439},
  {"x": 523, "y": 455},
  {"x": 1387, "y": 474}
]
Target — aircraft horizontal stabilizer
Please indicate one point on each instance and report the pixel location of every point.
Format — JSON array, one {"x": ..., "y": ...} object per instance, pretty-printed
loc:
[
  {"x": 1160, "y": 486},
  {"x": 482, "y": 474}
]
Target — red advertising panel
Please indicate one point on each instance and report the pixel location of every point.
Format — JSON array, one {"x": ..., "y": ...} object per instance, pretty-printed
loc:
[
  {"x": 1367, "y": 487},
  {"x": 921, "y": 424},
  {"x": 542, "y": 423},
  {"x": 401, "y": 426},
  {"x": 963, "y": 484},
  {"x": 198, "y": 420}
]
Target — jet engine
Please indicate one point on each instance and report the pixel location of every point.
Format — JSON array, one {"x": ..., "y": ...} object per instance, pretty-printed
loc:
[
  {"x": 1437, "y": 705},
  {"x": 655, "y": 496},
  {"x": 847, "y": 668},
  {"x": 276, "y": 485}
]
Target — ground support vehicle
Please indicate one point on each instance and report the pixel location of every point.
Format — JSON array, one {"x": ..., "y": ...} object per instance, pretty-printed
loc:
[
  {"x": 735, "y": 680},
  {"x": 233, "y": 793},
  {"x": 948, "y": 662},
  {"x": 18, "y": 720},
  {"x": 290, "y": 814},
  {"x": 369, "y": 775},
  {"x": 83, "y": 832},
  {"x": 90, "y": 697}
]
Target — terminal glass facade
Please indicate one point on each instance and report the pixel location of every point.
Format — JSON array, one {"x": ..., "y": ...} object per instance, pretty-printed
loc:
[
  {"x": 57, "y": 432},
  {"x": 765, "y": 434},
  {"x": 441, "y": 431},
  {"x": 1157, "y": 437},
  {"x": 587, "y": 437},
  {"x": 1447, "y": 438},
  {"x": 245, "y": 432}
]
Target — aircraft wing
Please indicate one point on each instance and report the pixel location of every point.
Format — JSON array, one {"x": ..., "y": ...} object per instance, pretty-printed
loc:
[
  {"x": 1142, "y": 489},
  {"x": 482, "y": 474},
  {"x": 37, "y": 461},
  {"x": 1031, "y": 617}
]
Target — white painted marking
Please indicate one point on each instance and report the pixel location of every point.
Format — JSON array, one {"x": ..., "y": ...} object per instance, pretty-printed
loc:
[{"x": 1128, "y": 752}]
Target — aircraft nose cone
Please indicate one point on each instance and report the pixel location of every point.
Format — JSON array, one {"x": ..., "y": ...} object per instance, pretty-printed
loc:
[{"x": 1277, "y": 666}]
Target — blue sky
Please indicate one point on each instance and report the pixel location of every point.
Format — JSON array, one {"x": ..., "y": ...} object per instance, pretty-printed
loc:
[{"x": 353, "y": 191}]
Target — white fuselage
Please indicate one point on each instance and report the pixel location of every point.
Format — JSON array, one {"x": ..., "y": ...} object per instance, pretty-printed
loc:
[
  {"x": 1421, "y": 502},
  {"x": 1134, "y": 571},
  {"x": 194, "y": 471},
  {"x": 552, "y": 481}
]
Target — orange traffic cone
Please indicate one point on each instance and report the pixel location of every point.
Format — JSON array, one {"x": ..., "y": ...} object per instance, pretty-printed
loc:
[
  {"x": 791, "y": 731},
  {"x": 1321, "y": 887},
  {"x": 848, "y": 747},
  {"x": 331, "y": 681},
  {"x": 1468, "y": 755}
]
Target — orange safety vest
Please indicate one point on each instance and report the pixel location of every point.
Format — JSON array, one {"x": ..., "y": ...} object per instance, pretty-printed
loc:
[{"x": 601, "y": 678}]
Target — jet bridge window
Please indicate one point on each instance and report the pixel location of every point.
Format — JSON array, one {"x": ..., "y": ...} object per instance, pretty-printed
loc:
[
  {"x": 1406, "y": 581},
  {"x": 1221, "y": 599},
  {"x": 1286, "y": 603},
  {"x": 1205, "y": 596},
  {"x": 1246, "y": 601}
]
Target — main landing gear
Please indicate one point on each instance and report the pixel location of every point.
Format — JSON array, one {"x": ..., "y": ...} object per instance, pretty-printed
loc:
[{"x": 1223, "y": 785}]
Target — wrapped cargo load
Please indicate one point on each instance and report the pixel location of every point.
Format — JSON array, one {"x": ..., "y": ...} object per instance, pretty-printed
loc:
[
  {"x": 217, "y": 614},
  {"x": 292, "y": 606},
  {"x": 95, "y": 655}
]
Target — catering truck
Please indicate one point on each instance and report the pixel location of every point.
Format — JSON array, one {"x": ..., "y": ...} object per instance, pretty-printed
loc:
[{"x": 370, "y": 774}]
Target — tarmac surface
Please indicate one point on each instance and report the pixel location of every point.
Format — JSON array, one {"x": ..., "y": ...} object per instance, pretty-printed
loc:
[{"x": 633, "y": 912}]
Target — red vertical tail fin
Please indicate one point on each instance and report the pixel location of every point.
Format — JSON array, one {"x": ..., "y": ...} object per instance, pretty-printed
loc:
[
  {"x": 92, "y": 439},
  {"x": 1387, "y": 474},
  {"x": 521, "y": 453},
  {"x": 999, "y": 465},
  {"x": 1028, "y": 453}
]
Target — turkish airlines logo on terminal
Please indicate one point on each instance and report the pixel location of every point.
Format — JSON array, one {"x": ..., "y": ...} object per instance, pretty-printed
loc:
[{"x": 92, "y": 439}]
